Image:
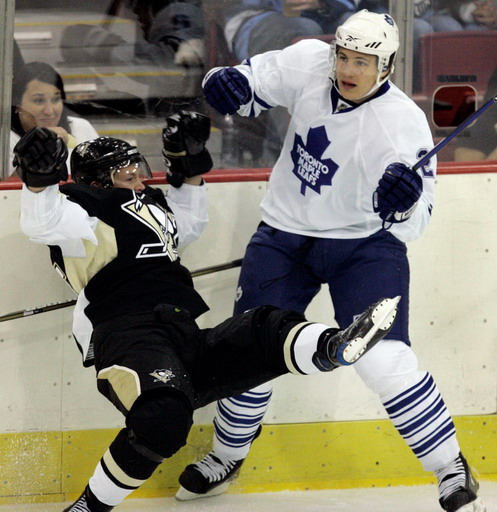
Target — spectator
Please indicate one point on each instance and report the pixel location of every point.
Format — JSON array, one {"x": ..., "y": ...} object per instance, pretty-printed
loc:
[
  {"x": 465, "y": 15},
  {"x": 176, "y": 29},
  {"x": 169, "y": 34},
  {"x": 38, "y": 101},
  {"x": 480, "y": 142},
  {"x": 256, "y": 26}
]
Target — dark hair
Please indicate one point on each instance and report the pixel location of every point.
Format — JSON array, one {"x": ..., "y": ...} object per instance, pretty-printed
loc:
[{"x": 34, "y": 71}]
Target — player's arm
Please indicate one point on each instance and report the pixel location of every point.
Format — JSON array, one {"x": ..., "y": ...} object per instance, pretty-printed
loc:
[
  {"x": 404, "y": 198},
  {"x": 40, "y": 159},
  {"x": 184, "y": 151},
  {"x": 265, "y": 80},
  {"x": 187, "y": 159},
  {"x": 46, "y": 215}
]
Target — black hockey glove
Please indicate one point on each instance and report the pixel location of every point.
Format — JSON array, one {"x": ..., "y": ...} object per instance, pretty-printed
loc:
[
  {"x": 40, "y": 158},
  {"x": 184, "y": 151},
  {"x": 226, "y": 90},
  {"x": 398, "y": 192}
]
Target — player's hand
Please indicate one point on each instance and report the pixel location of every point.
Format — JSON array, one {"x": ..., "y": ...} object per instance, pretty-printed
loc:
[
  {"x": 184, "y": 152},
  {"x": 227, "y": 90},
  {"x": 397, "y": 194},
  {"x": 40, "y": 158}
]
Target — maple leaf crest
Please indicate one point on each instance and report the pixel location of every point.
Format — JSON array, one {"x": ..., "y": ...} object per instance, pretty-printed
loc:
[{"x": 308, "y": 165}]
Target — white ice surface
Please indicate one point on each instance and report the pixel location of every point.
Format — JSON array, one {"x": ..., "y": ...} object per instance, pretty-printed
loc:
[{"x": 391, "y": 499}]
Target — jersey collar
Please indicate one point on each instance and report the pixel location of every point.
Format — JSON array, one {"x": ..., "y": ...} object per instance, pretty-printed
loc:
[{"x": 340, "y": 105}]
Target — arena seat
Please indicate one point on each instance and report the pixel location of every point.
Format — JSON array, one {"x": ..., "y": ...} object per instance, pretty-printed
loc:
[{"x": 455, "y": 58}]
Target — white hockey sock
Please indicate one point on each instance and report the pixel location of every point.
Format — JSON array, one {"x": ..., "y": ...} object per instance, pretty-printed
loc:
[
  {"x": 300, "y": 345},
  {"x": 422, "y": 419},
  {"x": 237, "y": 420},
  {"x": 106, "y": 490}
]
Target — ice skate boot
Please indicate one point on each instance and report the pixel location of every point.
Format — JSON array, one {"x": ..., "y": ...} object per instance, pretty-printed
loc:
[
  {"x": 88, "y": 502},
  {"x": 342, "y": 348},
  {"x": 210, "y": 476},
  {"x": 458, "y": 488},
  {"x": 207, "y": 477}
]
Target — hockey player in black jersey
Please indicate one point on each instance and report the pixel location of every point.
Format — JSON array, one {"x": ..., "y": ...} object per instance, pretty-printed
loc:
[{"x": 115, "y": 241}]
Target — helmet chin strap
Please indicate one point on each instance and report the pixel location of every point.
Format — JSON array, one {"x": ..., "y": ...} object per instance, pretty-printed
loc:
[{"x": 379, "y": 82}]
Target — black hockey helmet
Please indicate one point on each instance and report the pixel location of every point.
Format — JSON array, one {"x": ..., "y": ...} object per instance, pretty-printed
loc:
[{"x": 97, "y": 160}]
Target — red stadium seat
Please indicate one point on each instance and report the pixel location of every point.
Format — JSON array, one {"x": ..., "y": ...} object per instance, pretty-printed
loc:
[{"x": 455, "y": 58}]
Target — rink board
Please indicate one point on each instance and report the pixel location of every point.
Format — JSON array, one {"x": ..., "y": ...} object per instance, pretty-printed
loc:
[
  {"x": 308, "y": 456},
  {"x": 55, "y": 425}
]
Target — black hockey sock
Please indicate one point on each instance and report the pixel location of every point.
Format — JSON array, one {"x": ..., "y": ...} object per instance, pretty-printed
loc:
[{"x": 133, "y": 462}]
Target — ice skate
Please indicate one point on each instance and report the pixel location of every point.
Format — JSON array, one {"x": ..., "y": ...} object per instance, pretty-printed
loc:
[
  {"x": 458, "y": 488},
  {"x": 345, "y": 347},
  {"x": 87, "y": 502},
  {"x": 207, "y": 477}
]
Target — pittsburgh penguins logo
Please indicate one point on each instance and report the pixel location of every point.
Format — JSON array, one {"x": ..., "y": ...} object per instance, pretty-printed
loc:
[
  {"x": 161, "y": 222},
  {"x": 162, "y": 375}
]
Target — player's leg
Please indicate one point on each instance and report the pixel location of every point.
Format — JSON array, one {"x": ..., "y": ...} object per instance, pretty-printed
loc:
[
  {"x": 143, "y": 377},
  {"x": 264, "y": 343},
  {"x": 156, "y": 428},
  {"x": 418, "y": 411},
  {"x": 410, "y": 396},
  {"x": 272, "y": 273}
]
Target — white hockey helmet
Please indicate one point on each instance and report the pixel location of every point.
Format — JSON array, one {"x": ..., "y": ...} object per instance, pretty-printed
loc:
[{"x": 371, "y": 33}]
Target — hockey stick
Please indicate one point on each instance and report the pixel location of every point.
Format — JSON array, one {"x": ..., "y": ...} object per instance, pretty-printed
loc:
[
  {"x": 455, "y": 133},
  {"x": 217, "y": 268},
  {"x": 386, "y": 225},
  {"x": 23, "y": 313}
]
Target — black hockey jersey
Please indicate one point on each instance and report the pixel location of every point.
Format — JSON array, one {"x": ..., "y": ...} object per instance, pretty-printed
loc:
[{"x": 130, "y": 265}]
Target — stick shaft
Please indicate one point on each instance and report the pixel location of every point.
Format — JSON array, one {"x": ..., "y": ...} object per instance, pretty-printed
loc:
[
  {"x": 455, "y": 133},
  {"x": 23, "y": 313},
  {"x": 217, "y": 268}
]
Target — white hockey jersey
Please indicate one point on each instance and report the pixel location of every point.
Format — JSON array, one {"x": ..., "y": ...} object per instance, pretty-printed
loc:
[{"x": 335, "y": 152}]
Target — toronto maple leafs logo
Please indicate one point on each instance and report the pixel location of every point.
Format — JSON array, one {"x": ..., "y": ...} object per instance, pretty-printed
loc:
[{"x": 309, "y": 166}]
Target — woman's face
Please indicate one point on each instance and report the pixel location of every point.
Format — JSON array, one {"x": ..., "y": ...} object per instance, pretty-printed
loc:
[{"x": 41, "y": 106}]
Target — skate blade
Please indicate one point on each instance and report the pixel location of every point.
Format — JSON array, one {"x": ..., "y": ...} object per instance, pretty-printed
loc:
[
  {"x": 474, "y": 506},
  {"x": 184, "y": 495},
  {"x": 382, "y": 317}
]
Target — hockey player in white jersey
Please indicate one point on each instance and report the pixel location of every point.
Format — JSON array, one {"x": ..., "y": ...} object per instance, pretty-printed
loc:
[{"x": 342, "y": 203}]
